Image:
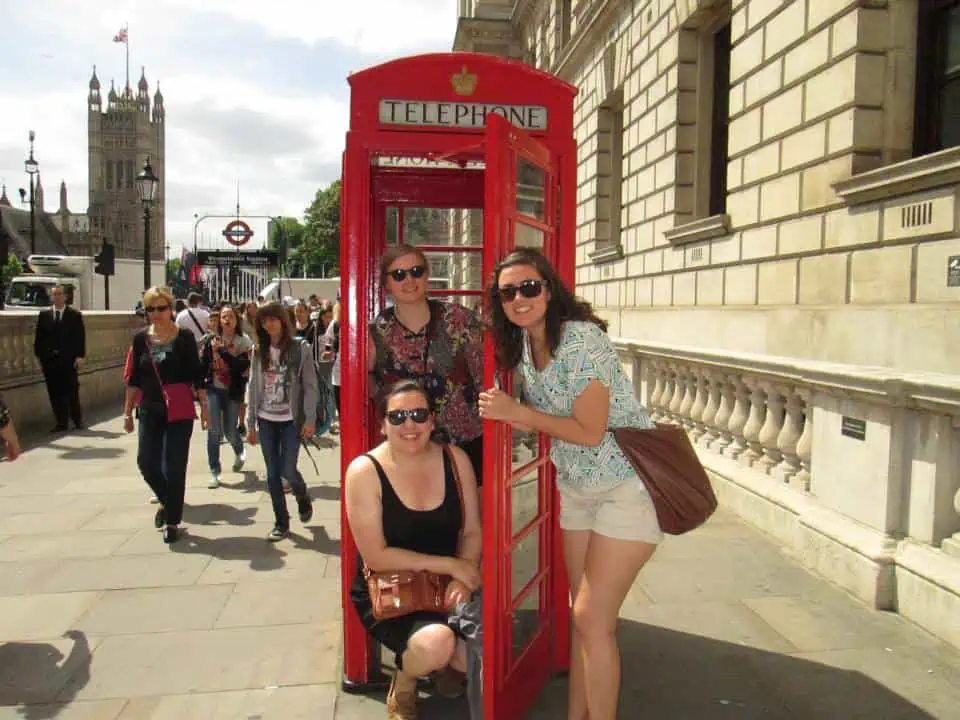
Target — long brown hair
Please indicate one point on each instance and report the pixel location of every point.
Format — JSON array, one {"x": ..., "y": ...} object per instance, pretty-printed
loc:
[
  {"x": 278, "y": 311},
  {"x": 563, "y": 306}
]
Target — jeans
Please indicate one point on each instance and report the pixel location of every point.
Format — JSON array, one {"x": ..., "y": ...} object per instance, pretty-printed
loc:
[
  {"x": 162, "y": 455},
  {"x": 280, "y": 443},
  {"x": 224, "y": 414}
]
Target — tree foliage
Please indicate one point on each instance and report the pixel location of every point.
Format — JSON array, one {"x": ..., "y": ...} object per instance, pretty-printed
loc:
[
  {"x": 13, "y": 268},
  {"x": 320, "y": 250}
]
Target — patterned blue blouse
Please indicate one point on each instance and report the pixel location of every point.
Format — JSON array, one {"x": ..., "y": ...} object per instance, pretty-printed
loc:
[{"x": 585, "y": 353}]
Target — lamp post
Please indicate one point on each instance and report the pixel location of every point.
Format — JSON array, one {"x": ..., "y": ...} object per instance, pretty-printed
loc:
[
  {"x": 147, "y": 184},
  {"x": 32, "y": 167}
]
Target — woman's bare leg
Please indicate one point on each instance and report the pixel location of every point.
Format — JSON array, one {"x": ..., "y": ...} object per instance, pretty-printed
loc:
[
  {"x": 610, "y": 569},
  {"x": 575, "y": 543}
]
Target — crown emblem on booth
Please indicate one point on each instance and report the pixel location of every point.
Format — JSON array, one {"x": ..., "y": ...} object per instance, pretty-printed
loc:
[{"x": 464, "y": 83}]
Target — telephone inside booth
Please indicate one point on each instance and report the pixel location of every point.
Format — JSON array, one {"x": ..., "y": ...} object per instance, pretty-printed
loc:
[{"x": 464, "y": 156}]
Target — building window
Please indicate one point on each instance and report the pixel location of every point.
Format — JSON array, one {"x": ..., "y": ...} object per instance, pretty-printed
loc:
[
  {"x": 937, "y": 124},
  {"x": 609, "y": 200},
  {"x": 564, "y": 23},
  {"x": 129, "y": 174},
  {"x": 119, "y": 174},
  {"x": 109, "y": 175},
  {"x": 703, "y": 98},
  {"x": 544, "y": 45}
]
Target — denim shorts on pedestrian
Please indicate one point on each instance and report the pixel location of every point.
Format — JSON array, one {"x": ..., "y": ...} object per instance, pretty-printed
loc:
[{"x": 623, "y": 511}]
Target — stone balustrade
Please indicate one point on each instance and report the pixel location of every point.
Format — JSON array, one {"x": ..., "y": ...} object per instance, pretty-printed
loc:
[
  {"x": 21, "y": 379},
  {"x": 855, "y": 469}
]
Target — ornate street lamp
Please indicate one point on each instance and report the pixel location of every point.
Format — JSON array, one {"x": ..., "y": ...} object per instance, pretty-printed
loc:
[
  {"x": 32, "y": 167},
  {"x": 147, "y": 184}
]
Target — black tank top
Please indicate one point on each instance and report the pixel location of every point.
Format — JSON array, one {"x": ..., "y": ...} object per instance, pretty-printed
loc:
[{"x": 431, "y": 532}]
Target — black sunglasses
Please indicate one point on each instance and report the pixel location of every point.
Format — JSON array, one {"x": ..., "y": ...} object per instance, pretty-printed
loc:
[
  {"x": 528, "y": 288},
  {"x": 397, "y": 417},
  {"x": 156, "y": 308},
  {"x": 400, "y": 274}
]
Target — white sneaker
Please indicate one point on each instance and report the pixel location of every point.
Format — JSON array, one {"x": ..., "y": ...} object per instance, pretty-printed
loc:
[
  {"x": 214, "y": 481},
  {"x": 239, "y": 461}
]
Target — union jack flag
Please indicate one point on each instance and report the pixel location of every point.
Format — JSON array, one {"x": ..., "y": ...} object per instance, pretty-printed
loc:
[{"x": 121, "y": 37}]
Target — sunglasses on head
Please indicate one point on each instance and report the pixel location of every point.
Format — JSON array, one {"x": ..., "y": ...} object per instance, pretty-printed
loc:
[
  {"x": 397, "y": 417},
  {"x": 400, "y": 274},
  {"x": 528, "y": 288},
  {"x": 156, "y": 308}
]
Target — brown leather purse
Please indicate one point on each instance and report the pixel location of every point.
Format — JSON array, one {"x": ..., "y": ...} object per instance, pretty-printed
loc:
[
  {"x": 394, "y": 593},
  {"x": 665, "y": 460}
]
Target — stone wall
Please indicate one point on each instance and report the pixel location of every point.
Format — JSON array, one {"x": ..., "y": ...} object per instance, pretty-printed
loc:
[
  {"x": 833, "y": 242},
  {"x": 101, "y": 383}
]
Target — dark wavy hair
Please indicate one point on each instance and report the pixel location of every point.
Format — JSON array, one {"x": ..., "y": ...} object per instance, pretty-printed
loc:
[
  {"x": 563, "y": 306},
  {"x": 399, "y": 388},
  {"x": 278, "y": 311}
]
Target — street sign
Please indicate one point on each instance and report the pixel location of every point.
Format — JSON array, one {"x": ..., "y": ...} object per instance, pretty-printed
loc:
[
  {"x": 238, "y": 258},
  {"x": 237, "y": 233}
]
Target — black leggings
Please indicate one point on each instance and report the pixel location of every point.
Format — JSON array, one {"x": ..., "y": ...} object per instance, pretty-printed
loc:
[{"x": 336, "y": 398}]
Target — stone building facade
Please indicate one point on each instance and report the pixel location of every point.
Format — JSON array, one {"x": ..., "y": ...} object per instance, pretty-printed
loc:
[
  {"x": 767, "y": 215},
  {"x": 755, "y": 175},
  {"x": 120, "y": 139}
]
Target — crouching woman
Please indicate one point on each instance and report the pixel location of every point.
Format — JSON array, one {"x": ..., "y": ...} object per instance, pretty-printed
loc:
[{"x": 406, "y": 513}]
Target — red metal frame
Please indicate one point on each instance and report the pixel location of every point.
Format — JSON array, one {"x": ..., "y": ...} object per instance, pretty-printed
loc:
[{"x": 368, "y": 189}]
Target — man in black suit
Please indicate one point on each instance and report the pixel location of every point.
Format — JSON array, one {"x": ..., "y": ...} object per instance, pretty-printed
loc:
[{"x": 60, "y": 346}]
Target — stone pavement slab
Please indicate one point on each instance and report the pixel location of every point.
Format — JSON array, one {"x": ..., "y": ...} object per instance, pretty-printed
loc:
[{"x": 99, "y": 620}]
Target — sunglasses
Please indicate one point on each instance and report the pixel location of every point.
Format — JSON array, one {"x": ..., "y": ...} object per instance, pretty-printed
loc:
[
  {"x": 528, "y": 288},
  {"x": 397, "y": 417},
  {"x": 400, "y": 274},
  {"x": 156, "y": 308}
]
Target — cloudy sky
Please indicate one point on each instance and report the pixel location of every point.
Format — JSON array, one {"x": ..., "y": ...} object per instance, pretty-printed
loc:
[{"x": 255, "y": 91}]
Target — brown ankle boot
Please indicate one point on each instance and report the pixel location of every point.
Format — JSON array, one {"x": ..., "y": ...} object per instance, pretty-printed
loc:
[{"x": 401, "y": 705}]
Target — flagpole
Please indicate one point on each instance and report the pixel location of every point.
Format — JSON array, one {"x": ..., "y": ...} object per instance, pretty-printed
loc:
[{"x": 126, "y": 28}]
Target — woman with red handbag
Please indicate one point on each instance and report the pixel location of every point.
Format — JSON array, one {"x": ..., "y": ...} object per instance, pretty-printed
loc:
[
  {"x": 574, "y": 390},
  {"x": 164, "y": 378},
  {"x": 413, "y": 508}
]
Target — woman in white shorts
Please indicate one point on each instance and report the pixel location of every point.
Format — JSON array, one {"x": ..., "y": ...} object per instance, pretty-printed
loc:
[{"x": 575, "y": 389}]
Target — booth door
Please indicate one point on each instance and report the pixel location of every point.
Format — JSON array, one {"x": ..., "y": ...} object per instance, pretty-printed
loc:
[{"x": 520, "y": 209}]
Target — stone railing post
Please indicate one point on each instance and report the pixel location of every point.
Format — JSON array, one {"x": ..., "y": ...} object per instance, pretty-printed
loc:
[
  {"x": 700, "y": 405},
  {"x": 772, "y": 426},
  {"x": 789, "y": 437},
  {"x": 689, "y": 395},
  {"x": 669, "y": 388},
  {"x": 801, "y": 480},
  {"x": 679, "y": 390},
  {"x": 721, "y": 420},
  {"x": 659, "y": 373},
  {"x": 738, "y": 419},
  {"x": 714, "y": 382},
  {"x": 751, "y": 430}
]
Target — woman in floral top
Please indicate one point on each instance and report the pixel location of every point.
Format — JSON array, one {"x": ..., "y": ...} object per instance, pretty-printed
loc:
[
  {"x": 438, "y": 344},
  {"x": 575, "y": 390}
]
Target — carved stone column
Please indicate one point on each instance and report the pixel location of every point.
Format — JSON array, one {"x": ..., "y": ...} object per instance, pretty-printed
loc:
[
  {"x": 751, "y": 430},
  {"x": 689, "y": 395},
  {"x": 789, "y": 437},
  {"x": 738, "y": 419},
  {"x": 801, "y": 480},
  {"x": 669, "y": 388},
  {"x": 699, "y": 405},
  {"x": 713, "y": 381},
  {"x": 772, "y": 426},
  {"x": 679, "y": 391},
  {"x": 721, "y": 421},
  {"x": 659, "y": 374}
]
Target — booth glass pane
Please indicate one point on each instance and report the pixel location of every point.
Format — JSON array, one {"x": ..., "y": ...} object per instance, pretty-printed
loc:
[
  {"x": 531, "y": 193},
  {"x": 392, "y": 225},
  {"x": 442, "y": 226},
  {"x": 525, "y": 443},
  {"x": 525, "y": 561},
  {"x": 526, "y": 621},
  {"x": 524, "y": 500},
  {"x": 455, "y": 271},
  {"x": 530, "y": 237}
]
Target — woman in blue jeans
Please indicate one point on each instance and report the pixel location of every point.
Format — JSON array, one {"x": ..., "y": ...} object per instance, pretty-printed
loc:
[
  {"x": 225, "y": 357},
  {"x": 162, "y": 355},
  {"x": 281, "y": 409}
]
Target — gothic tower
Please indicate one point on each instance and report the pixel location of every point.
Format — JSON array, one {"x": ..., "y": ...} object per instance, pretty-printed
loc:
[{"x": 119, "y": 142}]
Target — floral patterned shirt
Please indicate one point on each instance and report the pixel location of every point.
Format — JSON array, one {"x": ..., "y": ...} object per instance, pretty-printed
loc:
[
  {"x": 585, "y": 353},
  {"x": 446, "y": 357}
]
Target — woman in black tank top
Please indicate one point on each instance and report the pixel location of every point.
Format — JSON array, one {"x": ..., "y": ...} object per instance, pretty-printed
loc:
[{"x": 405, "y": 513}]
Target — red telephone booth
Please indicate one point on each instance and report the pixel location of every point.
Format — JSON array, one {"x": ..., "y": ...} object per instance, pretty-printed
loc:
[{"x": 462, "y": 140}]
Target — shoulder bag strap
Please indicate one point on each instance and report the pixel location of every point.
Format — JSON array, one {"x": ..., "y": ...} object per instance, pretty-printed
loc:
[
  {"x": 456, "y": 479},
  {"x": 195, "y": 321}
]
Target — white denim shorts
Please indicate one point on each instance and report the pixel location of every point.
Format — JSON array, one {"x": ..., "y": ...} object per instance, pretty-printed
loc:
[{"x": 623, "y": 511}]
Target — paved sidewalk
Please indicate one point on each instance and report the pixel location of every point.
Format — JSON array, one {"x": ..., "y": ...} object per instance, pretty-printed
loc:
[{"x": 100, "y": 620}]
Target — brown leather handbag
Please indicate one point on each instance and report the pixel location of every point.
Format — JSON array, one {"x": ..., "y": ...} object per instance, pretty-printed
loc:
[
  {"x": 394, "y": 593},
  {"x": 665, "y": 460}
]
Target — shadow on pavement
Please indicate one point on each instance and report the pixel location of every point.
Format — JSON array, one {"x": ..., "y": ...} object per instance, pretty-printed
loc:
[
  {"x": 218, "y": 514},
  {"x": 325, "y": 492},
  {"x": 263, "y": 556},
  {"x": 249, "y": 484},
  {"x": 32, "y": 675},
  {"x": 320, "y": 541},
  {"x": 88, "y": 453}
]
